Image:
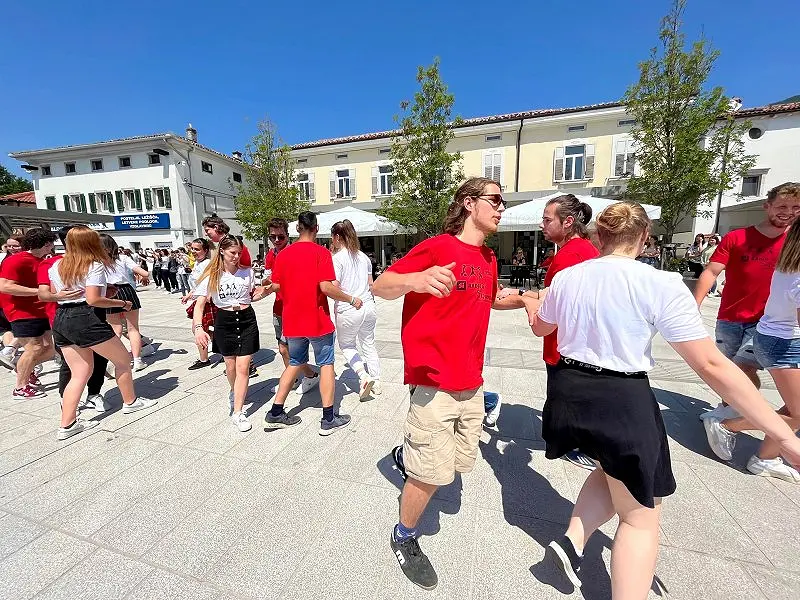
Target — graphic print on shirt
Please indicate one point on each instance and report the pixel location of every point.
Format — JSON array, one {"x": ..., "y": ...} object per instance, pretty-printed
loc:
[
  {"x": 477, "y": 278},
  {"x": 231, "y": 289}
]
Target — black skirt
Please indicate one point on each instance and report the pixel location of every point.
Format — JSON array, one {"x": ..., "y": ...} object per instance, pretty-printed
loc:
[
  {"x": 614, "y": 418},
  {"x": 236, "y": 332},
  {"x": 127, "y": 292},
  {"x": 78, "y": 324}
]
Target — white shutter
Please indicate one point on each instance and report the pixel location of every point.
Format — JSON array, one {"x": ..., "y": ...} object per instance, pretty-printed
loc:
[
  {"x": 589, "y": 162},
  {"x": 619, "y": 159},
  {"x": 375, "y": 189},
  {"x": 311, "y": 187},
  {"x": 333, "y": 184},
  {"x": 558, "y": 164},
  {"x": 352, "y": 175},
  {"x": 487, "y": 165},
  {"x": 497, "y": 170}
]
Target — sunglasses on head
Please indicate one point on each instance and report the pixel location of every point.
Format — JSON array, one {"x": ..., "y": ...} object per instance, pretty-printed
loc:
[{"x": 277, "y": 238}]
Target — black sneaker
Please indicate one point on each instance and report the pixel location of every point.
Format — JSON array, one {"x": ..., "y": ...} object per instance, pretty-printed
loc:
[
  {"x": 397, "y": 456},
  {"x": 562, "y": 553},
  {"x": 579, "y": 459},
  {"x": 414, "y": 563},
  {"x": 253, "y": 371},
  {"x": 338, "y": 422},
  {"x": 199, "y": 364},
  {"x": 282, "y": 421}
]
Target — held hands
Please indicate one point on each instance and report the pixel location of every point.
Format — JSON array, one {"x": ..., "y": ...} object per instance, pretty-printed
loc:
[
  {"x": 436, "y": 281},
  {"x": 506, "y": 292},
  {"x": 201, "y": 338},
  {"x": 260, "y": 292}
]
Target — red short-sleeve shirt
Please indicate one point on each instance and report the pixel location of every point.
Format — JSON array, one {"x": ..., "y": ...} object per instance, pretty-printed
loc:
[
  {"x": 43, "y": 278},
  {"x": 22, "y": 268}
]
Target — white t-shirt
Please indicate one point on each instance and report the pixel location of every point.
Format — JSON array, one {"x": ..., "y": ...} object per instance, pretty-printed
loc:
[
  {"x": 197, "y": 271},
  {"x": 121, "y": 271},
  {"x": 96, "y": 277},
  {"x": 352, "y": 272},
  {"x": 780, "y": 313},
  {"x": 609, "y": 309},
  {"x": 233, "y": 289}
]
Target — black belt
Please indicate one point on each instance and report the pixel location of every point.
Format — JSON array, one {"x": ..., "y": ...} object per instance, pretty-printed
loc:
[
  {"x": 571, "y": 363},
  {"x": 72, "y": 304}
]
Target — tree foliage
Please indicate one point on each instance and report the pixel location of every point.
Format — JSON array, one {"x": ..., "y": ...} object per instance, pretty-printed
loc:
[
  {"x": 688, "y": 146},
  {"x": 11, "y": 184},
  {"x": 425, "y": 175},
  {"x": 268, "y": 189}
]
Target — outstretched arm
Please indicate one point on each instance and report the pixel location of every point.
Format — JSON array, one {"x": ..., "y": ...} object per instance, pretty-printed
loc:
[{"x": 436, "y": 281}]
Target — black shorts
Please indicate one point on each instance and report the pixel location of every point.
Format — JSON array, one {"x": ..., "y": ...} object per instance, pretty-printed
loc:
[
  {"x": 613, "y": 418},
  {"x": 236, "y": 332},
  {"x": 30, "y": 328},
  {"x": 4, "y": 324},
  {"x": 127, "y": 292},
  {"x": 80, "y": 325}
]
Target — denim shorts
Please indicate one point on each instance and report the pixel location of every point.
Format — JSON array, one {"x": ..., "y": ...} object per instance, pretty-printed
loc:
[
  {"x": 776, "y": 353},
  {"x": 735, "y": 341},
  {"x": 323, "y": 349}
]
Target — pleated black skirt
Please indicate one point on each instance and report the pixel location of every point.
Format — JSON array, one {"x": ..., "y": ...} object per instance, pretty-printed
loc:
[{"x": 127, "y": 292}]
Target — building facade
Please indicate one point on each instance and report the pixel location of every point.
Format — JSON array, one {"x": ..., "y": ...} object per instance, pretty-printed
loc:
[{"x": 156, "y": 187}]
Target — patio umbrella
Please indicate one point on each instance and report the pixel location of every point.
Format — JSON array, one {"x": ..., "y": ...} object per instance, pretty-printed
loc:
[{"x": 365, "y": 223}]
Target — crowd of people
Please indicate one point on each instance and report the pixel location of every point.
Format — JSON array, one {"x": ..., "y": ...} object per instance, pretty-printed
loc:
[{"x": 598, "y": 311}]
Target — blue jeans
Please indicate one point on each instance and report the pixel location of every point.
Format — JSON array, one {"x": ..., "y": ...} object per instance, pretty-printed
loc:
[
  {"x": 735, "y": 340},
  {"x": 323, "y": 349}
]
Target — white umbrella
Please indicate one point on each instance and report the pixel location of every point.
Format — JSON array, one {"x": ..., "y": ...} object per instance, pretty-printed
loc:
[
  {"x": 365, "y": 223},
  {"x": 528, "y": 215}
]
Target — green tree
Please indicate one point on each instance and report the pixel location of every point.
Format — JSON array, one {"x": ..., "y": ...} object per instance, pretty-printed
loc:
[
  {"x": 425, "y": 174},
  {"x": 11, "y": 184},
  {"x": 268, "y": 190},
  {"x": 689, "y": 147}
]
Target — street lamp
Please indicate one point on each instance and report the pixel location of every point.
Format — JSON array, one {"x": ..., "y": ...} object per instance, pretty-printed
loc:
[{"x": 734, "y": 107}]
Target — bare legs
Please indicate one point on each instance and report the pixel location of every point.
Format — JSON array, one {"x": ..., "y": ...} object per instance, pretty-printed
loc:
[
  {"x": 237, "y": 369},
  {"x": 37, "y": 350},
  {"x": 414, "y": 499}
]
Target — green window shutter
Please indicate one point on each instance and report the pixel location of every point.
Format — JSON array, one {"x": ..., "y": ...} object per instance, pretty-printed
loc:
[
  {"x": 66, "y": 202},
  {"x": 110, "y": 202},
  {"x": 83, "y": 203},
  {"x": 167, "y": 199},
  {"x": 137, "y": 198},
  {"x": 120, "y": 201},
  {"x": 148, "y": 199},
  {"x": 51, "y": 202},
  {"x": 92, "y": 203}
]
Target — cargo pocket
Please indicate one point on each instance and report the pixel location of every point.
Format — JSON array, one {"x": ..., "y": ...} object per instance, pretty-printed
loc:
[{"x": 417, "y": 451}]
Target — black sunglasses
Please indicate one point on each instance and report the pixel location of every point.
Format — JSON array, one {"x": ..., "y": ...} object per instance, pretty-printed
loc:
[
  {"x": 277, "y": 238},
  {"x": 496, "y": 200}
]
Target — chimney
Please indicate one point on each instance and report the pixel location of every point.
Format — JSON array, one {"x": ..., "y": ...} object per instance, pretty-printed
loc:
[
  {"x": 191, "y": 133},
  {"x": 237, "y": 155}
]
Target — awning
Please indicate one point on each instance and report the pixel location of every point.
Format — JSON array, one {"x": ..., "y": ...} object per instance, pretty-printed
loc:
[
  {"x": 366, "y": 224},
  {"x": 23, "y": 217}
]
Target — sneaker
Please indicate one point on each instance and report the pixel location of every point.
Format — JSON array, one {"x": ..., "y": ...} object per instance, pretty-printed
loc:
[
  {"x": 308, "y": 384},
  {"x": 364, "y": 388},
  {"x": 101, "y": 405},
  {"x": 282, "y": 421},
  {"x": 494, "y": 414},
  {"x": 58, "y": 360},
  {"x": 147, "y": 341},
  {"x": 563, "y": 554},
  {"x": 241, "y": 422},
  {"x": 139, "y": 364},
  {"x": 85, "y": 403},
  {"x": 579, "y": 459},
  {"x": 775, "y": 467},
  {"x": 397, "y": 456},
  {"x": 722, "y": 412},
  {"x": 137, "y": 405},
  {"x": 8, "y": 356},
  {"x": 37, "y": 370},
  {"x": 338, "y": 422},
  {"x": 414, "y": 563},
  {"x": 147, "y": 350},
  {"x": 77, "y": 427},
  {"x": 110, "y": 370},
  {"x": 377, "y": 388},
  {"x": 28, "y": 392},
  {"x": 721, "y": 440},
  {"x": 34, "y": 380},
  {"x": 253, "y": 371},
  {"x": 199, "y": 364}
]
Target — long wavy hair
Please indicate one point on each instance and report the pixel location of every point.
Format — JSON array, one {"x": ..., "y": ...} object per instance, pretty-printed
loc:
[
  {"x": 82, "y": 249},
  {"x": 457, "y": 213},
  {"x": 346, "y": 231},
  {"x": 213, "y": 272}
]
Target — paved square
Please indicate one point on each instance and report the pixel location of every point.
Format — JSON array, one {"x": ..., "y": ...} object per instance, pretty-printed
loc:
[{"x": 175, "y": 503}]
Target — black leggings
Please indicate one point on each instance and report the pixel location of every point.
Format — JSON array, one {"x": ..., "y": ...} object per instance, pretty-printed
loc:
[
  {"x": 95, "y": 383},
  {"x": 157, "y": 276},
  {"x": 166, "y": 280}
]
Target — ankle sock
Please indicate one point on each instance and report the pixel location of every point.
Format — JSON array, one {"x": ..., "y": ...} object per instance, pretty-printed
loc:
[
  {"x": 327, "y": 413},
  {"x": 70, "y": 425},
  {"x": 402, "y": 533},
  {"x": 276, "y": 410}
]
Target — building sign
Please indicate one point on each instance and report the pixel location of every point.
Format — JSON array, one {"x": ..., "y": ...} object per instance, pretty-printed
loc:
[
  {"x": 163, "y": 244},
  {"x": 143, "y": 221}
]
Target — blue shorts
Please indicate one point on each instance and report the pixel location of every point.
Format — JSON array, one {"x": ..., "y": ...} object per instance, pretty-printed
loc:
[
  {"x": 776, "y": 353},
  {"x": 323, "y": 349},
  {"x": 735, "y": 340}
]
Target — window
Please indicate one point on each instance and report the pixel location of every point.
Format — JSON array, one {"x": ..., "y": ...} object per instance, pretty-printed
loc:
[
  {"x": 237, "y": 177},
  {"x": 75, "y": 203},
  {"x": 97, "y": 164},
  {"x": 105, "y": 201},
  {"x": 210, "y": 203},
  {"x": 302, "y": 161},
  {"x": 50, "y": 201},
  {"x": 624, "y": 158},
  {"x": 125, "y": 162},
  {"x": 340, "y": 156},
  {"x": 626, "y": 122},
  {"x": 382, "y": 180},
  {"x": 132, "y": 200},
  {"x": 384, "y": 151},
  {"x": 305, "y": 185},
  {"x": 751, "y": 185},
  {"x": 159, "y": 196},
  {"x": 46, "y": 173},
  {"x": 69, "y": 168},
  {"x": 343, "y": 183},
  {"x": 574, "y": 128},
  {"x": 207, "y": 168},
  {"x": 573, "y": 163},
  {"x": 154, "y": 159},
  {"x": 493, "y": 166},
  {"x": 494, "y": 137}
]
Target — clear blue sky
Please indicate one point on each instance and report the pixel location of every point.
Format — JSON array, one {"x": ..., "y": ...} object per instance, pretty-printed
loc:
[{"x": 73, "y": 72}]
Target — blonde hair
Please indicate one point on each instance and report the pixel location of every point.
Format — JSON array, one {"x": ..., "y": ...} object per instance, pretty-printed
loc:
[
  {"x": 789, "y": 259},
  {"x": 457, "y": 213},
  {"x": 213, "y": 272},
  {"x": 622, "y": 225},
  {"x": 83, "y": 247}
]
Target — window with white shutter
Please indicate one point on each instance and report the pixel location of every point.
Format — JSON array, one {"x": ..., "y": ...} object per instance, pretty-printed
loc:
[
  {"x": 493, "y": 165},
  {"x": 305, "y": 186},
  {"x": 624, "y": 158},
  {"x": 574, "y": 162},
  {"x": 558, "y": 164},
  {"x": 382, "y": 180},
  {"x": 588, "y": 172},
  {"x": 343, "y": 183}
]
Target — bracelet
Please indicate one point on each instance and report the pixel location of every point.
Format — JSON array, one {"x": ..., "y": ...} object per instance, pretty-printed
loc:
[
  {"x": 352, "y": 300},
  {"x": 196, "y": 327}
]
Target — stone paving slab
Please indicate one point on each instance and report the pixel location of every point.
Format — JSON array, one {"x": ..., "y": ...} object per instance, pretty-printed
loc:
[{"x": 175, "y": 503}]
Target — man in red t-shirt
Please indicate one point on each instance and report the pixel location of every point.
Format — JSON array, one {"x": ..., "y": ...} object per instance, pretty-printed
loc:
[
  {"x": 303, "y": 275},
  {"x": 25, "y": 312},
  {"x": 748, "y": 256},
  {"x": 450, "y": 285},
  {"x": 8, "y": 354}
]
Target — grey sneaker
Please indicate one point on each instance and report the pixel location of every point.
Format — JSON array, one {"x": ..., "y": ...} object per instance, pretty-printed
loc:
[
  {"x": 79, "y": 426},
  {"x": 414, "y": 563},
  {"x": 721, "y": 440},
  {"x": 282, "y": 421},
  {"x": 338, "y": 422},
  {"x": 137, "y": 405}
]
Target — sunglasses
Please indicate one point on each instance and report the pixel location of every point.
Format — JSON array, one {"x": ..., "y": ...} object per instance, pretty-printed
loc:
[
  {"x": 277, "y": 238},
  {"x": 496, "y": 200}
]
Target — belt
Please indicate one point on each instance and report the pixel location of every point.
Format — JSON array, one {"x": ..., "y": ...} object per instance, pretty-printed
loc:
[
  {"x": 582, "y": 366},
  {"x": 73, "y": 304}
]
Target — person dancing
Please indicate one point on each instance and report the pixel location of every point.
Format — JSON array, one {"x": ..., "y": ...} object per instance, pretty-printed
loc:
[
  {"x": 599, "y": 398},
  {"x": 201, "y": 250}
]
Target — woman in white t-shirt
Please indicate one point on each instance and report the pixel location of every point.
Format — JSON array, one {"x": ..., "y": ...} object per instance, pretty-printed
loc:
[
  {"x": 232, "y": 289},
  {"x": 776, "y": 345},
  {"x": 355, "y": 329},
  {"x": 201, "y": 248},
  {"x": 599, "y": 399},
  {"x": 78, "y": 330}
]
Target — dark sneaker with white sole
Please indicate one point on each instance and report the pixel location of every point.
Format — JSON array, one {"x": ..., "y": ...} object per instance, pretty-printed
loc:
[
  {"x": 416, "y": 566},
  {"x": 579, "y": 459},
  {"x": 562, "y": 553},
  {"x": 397, "y": 456},
  {"x": 282, "y": 421},
  {"x": 338, "y": 422}
]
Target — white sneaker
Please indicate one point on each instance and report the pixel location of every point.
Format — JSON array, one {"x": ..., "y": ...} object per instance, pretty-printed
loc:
[
  {"x": 148, "y": 350},
  {"x": 775, "y": 467},
  {"x": 139, "y": 364},
  {"x": 137, "y": 405},
  {"x": 365, "y": 387},
  {"x": 77, "y": 427},
  {"x": 97, "y": 402},
  {"x": 494, "y": 414},
  {"x": 242, "y": 423},
  {"x": 110, "y": 370},
  {"x": 721, "y": 413},
  {"x": 720, "y": 439},
  {"x": 377, "y": 388},
  {"x": 7, "y": 357},
  {"x": 308, "y": 384}
]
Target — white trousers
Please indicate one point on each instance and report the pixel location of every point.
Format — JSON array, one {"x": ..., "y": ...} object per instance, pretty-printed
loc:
[{"x": 355, "y": 330}]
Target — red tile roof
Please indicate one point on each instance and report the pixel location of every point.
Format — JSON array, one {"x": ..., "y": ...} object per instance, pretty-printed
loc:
[
  {"x": 771, "y": 109},
  {"x": 26, "y": 197}
]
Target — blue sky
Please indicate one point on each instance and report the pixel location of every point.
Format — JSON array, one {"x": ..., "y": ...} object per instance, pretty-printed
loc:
[{"x": 73, "y": 72}]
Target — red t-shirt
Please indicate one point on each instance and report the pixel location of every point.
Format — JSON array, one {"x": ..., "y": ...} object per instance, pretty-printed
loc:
[
  {"x": 749, "y": 258},
  {"x": 546, "y": 263},
  {"x": 444, "y": 339},
  {"x": 244, "y": 257},
  {"x": 299, "y": 269},
  {"x": 269, "y": 263},
  {"x": 22, "y": 269},
  {"x": 570, "y": 254},
  {"x": 43, "y": 278}
]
